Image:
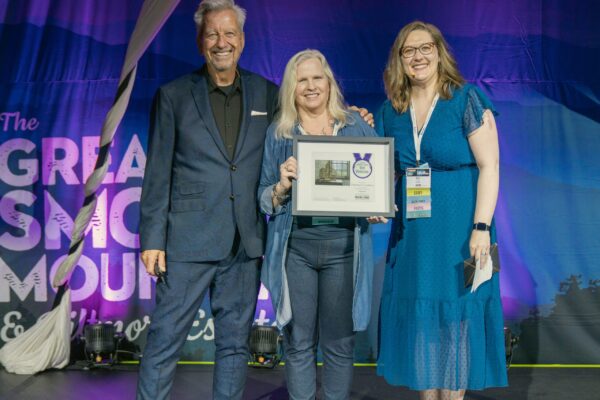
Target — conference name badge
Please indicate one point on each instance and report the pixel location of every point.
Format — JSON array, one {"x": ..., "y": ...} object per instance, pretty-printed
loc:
[
  {"x": 362, "y": 168},
  {"x": 418, "y": 192}
]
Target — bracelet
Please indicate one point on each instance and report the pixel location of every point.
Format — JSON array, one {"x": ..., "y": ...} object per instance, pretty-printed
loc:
[
  {"x": 281, "y": 198},
  {"x": 481, "y": 226}
]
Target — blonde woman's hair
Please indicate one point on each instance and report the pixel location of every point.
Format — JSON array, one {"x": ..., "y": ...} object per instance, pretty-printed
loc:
[
  {"x": 397, "y": 83},
  {"x": 288, "y": 112}
]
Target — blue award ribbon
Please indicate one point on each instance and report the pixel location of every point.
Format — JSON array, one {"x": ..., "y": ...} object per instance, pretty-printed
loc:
[{"x": 367, "y": 156}]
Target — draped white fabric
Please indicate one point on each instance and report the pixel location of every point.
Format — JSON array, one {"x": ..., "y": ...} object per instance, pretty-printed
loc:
[{"x": 47, "y": 343}]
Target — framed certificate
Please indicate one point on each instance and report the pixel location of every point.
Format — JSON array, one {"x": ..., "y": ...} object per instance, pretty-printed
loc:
[{"x": 344, "y": 176}]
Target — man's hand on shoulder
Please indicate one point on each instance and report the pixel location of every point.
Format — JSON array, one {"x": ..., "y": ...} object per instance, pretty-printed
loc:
[{"x": 151, "y": 257}]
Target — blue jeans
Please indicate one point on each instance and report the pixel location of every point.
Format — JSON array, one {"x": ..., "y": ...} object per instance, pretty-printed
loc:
[
  {"x": 320, "y": 280},
  {"x": 233, "y": 285}
]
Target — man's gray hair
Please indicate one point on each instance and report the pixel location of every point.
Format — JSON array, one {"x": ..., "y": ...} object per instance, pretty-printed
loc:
[{"x": 207, "y": 6}]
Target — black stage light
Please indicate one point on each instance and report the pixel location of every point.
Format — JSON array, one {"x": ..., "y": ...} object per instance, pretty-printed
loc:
[
  {"x": 100, "y": 344},
  {"x": 265, "y": 346},
  {"x": 510, "y": 341}
]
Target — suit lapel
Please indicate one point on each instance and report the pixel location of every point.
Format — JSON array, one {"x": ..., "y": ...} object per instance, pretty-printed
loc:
[
  {"x": 246, "y": 110},
  {"x": 200, "y": 95}
]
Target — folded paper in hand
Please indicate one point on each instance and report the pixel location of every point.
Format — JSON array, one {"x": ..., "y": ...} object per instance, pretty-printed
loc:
[{"x": 474, "y": 275}]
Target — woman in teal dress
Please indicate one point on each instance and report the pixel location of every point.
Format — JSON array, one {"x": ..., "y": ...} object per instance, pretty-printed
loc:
[{"x": 436, "y": 336}]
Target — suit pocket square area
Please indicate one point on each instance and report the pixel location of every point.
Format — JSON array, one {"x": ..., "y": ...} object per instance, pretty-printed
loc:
[{"x": 255, "y": 113}]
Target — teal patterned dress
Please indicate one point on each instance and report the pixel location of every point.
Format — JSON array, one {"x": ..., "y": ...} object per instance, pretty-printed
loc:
[{"x": 434, "y": 332}]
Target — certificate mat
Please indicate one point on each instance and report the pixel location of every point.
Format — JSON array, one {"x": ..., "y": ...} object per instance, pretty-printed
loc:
[{"x": 344, "y": 176}]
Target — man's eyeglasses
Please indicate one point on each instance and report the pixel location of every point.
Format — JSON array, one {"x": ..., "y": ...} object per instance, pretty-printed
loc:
[{"x": 409, "y": 51}]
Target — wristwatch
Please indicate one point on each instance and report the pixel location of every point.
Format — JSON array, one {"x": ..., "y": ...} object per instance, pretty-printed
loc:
[{"x": 481, "y": 226}]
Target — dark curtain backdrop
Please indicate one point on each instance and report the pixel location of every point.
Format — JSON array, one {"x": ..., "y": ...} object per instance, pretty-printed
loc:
[{"x": 537, "y": 60}]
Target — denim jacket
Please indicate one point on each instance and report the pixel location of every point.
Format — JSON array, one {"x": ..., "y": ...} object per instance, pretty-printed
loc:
[{"x": 273, "y": 273}]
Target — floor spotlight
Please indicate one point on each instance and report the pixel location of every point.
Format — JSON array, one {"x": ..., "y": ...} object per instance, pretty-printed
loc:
[
  {"x": 100, "y": 344},
  {"x": 265, "y": 346},
  {"x": 510, "y": 341}
]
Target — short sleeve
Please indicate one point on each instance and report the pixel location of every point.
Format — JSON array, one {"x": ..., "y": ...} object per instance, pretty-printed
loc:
[{"x": 476, "y": 104}]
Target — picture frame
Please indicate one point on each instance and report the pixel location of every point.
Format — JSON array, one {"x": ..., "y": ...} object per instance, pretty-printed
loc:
[{"x": 344, "y": 176}]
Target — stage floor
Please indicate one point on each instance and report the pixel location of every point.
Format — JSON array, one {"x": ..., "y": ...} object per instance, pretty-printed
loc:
[{"x": 194, "y": 382}]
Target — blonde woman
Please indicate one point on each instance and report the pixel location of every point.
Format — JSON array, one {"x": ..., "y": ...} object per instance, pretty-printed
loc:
[{"x": 319, "y": 275}]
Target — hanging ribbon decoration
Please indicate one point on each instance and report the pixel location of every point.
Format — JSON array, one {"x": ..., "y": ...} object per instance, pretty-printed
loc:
[{"x": 47, "y": 343}]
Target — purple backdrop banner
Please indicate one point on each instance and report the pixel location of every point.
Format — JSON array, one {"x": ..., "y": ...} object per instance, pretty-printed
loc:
[{"x": 60, "y": 64}]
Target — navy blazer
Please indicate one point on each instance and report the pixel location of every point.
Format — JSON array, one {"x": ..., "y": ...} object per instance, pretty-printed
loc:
[{"x": 193, "y": 195}]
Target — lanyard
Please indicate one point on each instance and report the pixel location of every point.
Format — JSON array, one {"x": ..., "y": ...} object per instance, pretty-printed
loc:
[{"x": 418, "y": 136}]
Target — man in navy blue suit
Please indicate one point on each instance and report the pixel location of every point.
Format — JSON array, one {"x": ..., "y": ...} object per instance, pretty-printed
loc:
[{"x": 199, "y": 218}]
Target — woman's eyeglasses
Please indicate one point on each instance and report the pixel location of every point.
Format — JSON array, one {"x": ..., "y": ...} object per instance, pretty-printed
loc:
[{"x": 409, "y": 51}]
